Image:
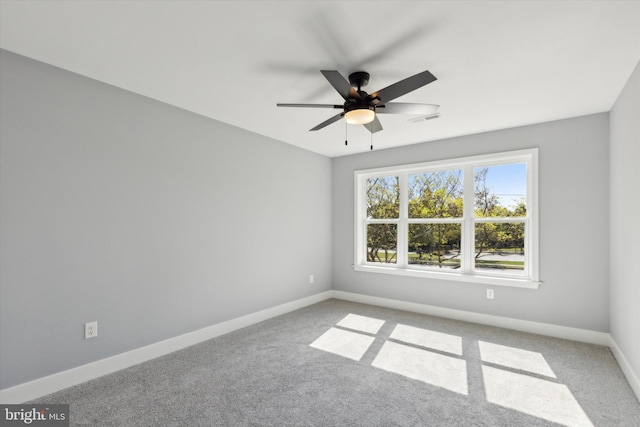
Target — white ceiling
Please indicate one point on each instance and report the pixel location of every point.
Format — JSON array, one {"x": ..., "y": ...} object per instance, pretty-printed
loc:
[{"x": 499, "y": 64}]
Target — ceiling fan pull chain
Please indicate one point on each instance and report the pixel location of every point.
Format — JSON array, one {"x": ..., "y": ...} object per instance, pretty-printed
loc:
[
  {"x": 371, "y": 133},
  {"x": 345, "y": 133}
]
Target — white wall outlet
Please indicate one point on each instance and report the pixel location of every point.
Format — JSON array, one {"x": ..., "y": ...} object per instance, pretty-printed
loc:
[
  {"x": 489, "y": 293},
  {"x": 90, "y": 330},
  {"x": 311, "y": 278}
]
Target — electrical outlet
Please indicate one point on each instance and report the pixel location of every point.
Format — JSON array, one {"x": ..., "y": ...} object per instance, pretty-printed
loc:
[
  {"x": 311, "y": 278},
  {"x": 90, "y": 330},
  {"x": 489, "y": 293}
]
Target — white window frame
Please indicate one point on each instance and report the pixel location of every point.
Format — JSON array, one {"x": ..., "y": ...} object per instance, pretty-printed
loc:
[{"x": 529, "y": 278}]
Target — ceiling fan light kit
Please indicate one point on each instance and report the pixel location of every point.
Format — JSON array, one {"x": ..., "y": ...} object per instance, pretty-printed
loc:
[
  {"x": 359, "y": 116},
  {"x": 361, "y": 108}
]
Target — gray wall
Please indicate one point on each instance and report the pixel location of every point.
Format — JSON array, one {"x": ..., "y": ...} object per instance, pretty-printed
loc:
[
  {"x": 625, "y": 228},
  {"x": 574, "y": 185},
  {"x": 149, "y": 219}
]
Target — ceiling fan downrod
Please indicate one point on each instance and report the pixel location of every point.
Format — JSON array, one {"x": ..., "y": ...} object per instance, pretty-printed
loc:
[{"x": 359, "y": 79}]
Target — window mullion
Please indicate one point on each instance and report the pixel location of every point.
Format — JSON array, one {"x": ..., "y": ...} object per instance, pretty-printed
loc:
[
  {"x": 468, "y": 228},
  {"x": 498, "y": 219},
  {"x": 402, "y": 248}
]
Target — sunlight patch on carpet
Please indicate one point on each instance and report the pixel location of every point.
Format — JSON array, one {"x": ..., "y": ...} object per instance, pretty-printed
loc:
[
  {"x": 343, "y": 343},
  {"x": 515, "y": 358},
  {"x": 540, "y": 398},
  {"x": 432, "y": 368},
  {"x": 361, "y": 323},
  {"x": 427, "y": 338}
]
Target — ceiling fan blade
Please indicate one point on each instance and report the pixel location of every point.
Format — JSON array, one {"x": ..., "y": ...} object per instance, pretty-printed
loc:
[
  {"x": 374, "y": 126},
  {"x": 402, "y": 87},
  {"x": 328, "y": 122},
  {"x": 340, "y": 84},
  {"x": 311, "y": 105},
  {"x": 406, "y": 108}
]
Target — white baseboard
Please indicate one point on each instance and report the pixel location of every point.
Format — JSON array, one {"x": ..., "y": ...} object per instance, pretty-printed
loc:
[
  {"x": 52, "y": 383},
  {"x": 575, "y": 334},
  {"x": 628, "y": 371}
]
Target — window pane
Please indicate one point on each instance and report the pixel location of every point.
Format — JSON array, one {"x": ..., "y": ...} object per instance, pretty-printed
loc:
[
  {"x": 434, "y": 245},
  {"x": 382, "y": 243},
  {"x": 500, "y": 191},
  {"x": 436, "y": 194},
  {"x": 383, "y": 197},
  {"x": 500, "y": 247}
]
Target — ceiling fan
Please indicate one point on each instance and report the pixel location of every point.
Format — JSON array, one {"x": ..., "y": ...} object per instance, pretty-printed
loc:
[{"x": 362, "y": 108}]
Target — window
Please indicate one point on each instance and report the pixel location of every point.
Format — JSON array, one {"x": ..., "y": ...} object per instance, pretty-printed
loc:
[{"x": 470, "y": 219}]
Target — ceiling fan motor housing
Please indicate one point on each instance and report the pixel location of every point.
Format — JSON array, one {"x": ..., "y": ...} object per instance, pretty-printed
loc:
[
  {"x": 358, "y": 80},
  {"x": 350, "y": 106}
]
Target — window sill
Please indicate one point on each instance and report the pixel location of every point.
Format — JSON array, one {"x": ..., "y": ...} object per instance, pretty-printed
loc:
[{"x": 498, "y": 281}]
